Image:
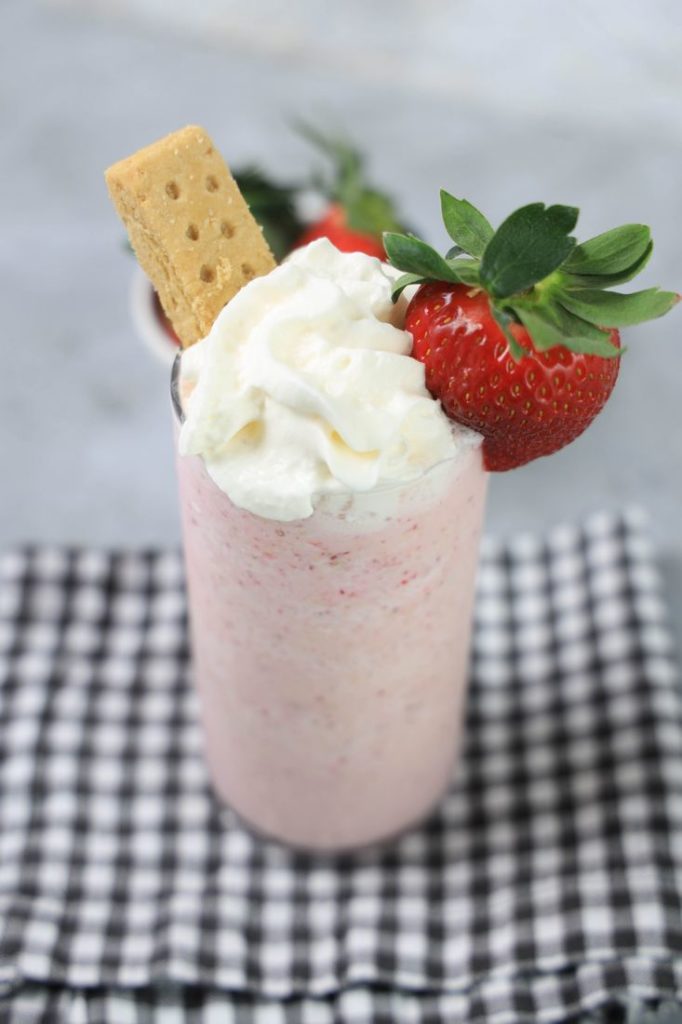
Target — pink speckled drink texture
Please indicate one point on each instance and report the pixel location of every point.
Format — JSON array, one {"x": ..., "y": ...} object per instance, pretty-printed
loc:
[{"x": 331, "y": 653}]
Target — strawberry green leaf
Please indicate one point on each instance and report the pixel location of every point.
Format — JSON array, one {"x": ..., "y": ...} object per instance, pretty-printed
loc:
[
  {"x": 467, "y": 271},
  {"x": 611, "y": 252},
  {"x": 604, "y": 349},
  {"x": 544, "y": 334},
  {"x": 466, "y": 225},
  {"x": 372, "y": 212},
  {"x": 367, "y": 209},
  {"x": 550, "y": 325},
  {"x": 404, "y": 282},
  {"x": 346, "y": 159},
  {"x": 527, "y": 247},
  {"x": 456, "y": 250},
  {"x": 613, "y": 309},
  {"x": 504, "y": 322},
  {"x": 565, "y": 217},
  {"x": 608, "y": 280},
  {"x": 416, "y": 257},
  {"x": 581, "y": 336}
]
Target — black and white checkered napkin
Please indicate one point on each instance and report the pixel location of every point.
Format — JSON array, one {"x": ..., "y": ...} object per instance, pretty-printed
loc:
[{"x": 549, "y": 881}]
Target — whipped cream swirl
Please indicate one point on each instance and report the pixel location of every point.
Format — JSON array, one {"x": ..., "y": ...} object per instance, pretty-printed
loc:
[{"x": 305, "y": 386}]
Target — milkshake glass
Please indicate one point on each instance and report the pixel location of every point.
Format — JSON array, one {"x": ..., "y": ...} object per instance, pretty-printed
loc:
[{"x": 331, "y": 652}]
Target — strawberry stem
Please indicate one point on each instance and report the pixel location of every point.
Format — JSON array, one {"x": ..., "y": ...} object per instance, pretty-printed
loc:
[
  {"x": 536, "y": 274},
  {"x": 366, "y": 208}
]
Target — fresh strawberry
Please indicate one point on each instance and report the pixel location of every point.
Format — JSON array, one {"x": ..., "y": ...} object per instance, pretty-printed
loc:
[
  {"x": 525, "y": 408},
  {"x": 334, "y": 226},
  {"x": 516, "y": 327},
  {"x": 356, "y": 216}
]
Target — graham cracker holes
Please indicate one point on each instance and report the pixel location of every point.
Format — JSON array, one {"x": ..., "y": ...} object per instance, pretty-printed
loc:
[
  {"x": 247, "y": 271},
  {"x": 192, "y": 232},
  {"x": 211, "y": 183},
  {"x": 207, "y": 274},
  {"x": 172, "y": 189},
  {"x": 226, "y": 229}
]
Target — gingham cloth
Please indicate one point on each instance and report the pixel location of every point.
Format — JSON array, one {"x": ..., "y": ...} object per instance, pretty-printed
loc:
[{"x": 548, "y": 882}]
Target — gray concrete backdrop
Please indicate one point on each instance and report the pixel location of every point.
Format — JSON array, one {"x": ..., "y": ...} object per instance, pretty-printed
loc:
[{"x": 501, "y": 102}]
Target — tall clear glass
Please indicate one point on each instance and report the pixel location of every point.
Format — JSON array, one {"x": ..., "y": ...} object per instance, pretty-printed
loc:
[{"x": 331, "y": 653}]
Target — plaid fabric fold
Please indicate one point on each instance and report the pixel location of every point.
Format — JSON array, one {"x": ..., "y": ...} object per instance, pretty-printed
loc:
[{"x": 548, "y": 882}]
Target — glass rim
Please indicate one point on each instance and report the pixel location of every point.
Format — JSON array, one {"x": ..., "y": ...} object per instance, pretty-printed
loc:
[{"x": 176, "y": 401}]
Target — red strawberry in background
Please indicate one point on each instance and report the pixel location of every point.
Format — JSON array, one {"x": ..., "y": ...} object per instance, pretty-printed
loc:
[
  {"x": 356, "y": 215},
  {"x": 333, "y": 224},
  {"x": 517, "y": 328}
]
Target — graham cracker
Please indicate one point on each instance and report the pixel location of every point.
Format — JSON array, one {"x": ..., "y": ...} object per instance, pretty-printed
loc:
[{"x": 189, "y": 225}]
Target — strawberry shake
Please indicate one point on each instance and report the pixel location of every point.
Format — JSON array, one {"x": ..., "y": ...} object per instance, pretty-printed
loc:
[
  {"x": 331, "y": 516},
  {"x": 334, "y": 443}
]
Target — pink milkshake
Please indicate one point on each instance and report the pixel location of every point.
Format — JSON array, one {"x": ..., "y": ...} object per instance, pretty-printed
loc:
[
  {"x": 330, "y": 652},
  {"x": 330, "y": 617},
  {"x": 331, "y": 504}
]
